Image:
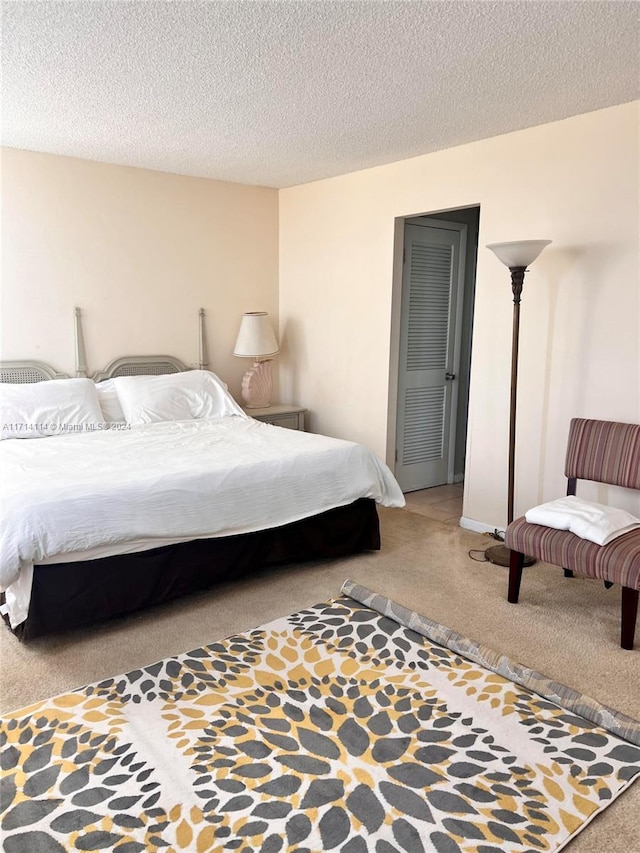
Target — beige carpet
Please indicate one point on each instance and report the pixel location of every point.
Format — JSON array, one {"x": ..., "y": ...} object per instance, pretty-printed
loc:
[{"x": 567, "y": 629}]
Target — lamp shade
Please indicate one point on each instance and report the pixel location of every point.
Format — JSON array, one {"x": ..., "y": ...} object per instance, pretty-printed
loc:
[
  {"x": 518, "y": 254},
  {"x": 256, "y": 338}
]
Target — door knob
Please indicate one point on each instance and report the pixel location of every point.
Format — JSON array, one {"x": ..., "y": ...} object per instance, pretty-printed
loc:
[{"x": 449, "y": 376}]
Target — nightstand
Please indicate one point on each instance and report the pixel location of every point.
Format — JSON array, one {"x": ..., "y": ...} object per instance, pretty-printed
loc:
[{"x": 291, "y": 417}]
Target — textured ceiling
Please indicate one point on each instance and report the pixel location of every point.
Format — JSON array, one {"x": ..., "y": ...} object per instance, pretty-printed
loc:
[{"x": 281, "y": 93}]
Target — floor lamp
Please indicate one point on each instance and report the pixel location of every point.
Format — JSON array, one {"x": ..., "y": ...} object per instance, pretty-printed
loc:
[{"x": 517, "y": 256}]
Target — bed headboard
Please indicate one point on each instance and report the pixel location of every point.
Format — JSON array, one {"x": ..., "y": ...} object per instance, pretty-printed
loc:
[
  {"x": 154, "y": 365},
  {"x": 16, "y": 372},
  {"x": 129, "y": 365},
  {"x": 140, "y": 365}
]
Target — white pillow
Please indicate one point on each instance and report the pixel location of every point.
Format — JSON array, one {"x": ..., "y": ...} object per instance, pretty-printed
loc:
[
  {"x": 109, "y": 402},
  {"x": 184, "y": 396},
  {"x": 53, "y": 407}
]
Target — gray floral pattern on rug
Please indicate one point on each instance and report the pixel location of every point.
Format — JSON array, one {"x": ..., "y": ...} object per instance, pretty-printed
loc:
[{"x": 336, "y": 728}]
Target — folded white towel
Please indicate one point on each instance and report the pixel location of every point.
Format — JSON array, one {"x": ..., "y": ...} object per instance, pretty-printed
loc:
[{"x": 596, "y": 522}]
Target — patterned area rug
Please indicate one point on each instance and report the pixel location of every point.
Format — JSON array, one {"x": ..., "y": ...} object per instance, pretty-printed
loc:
[{"x": 352, "y": 726}]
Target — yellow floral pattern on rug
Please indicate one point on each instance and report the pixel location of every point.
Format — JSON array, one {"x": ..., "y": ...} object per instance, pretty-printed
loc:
[{"x": 332, "y": 729}]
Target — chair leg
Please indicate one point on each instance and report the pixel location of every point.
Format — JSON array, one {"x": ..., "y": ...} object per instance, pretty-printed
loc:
[
  {"x": 516, "y": 561},
  {"x": 568, "y": 573},
  {"x": 629, "y": 613}
]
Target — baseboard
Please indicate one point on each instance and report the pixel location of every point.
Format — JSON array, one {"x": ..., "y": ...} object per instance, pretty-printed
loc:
[{"x": 478, "y": 526}]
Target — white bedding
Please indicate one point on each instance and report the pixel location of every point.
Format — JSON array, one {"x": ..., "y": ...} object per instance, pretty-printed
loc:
[{"x": 114, "y": 491}]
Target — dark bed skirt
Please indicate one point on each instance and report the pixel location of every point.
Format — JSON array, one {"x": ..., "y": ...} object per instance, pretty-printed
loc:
[{"x": 69, "y": 595}]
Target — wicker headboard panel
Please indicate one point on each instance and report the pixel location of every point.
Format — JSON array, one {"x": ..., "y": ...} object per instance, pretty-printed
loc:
[
  {"x": 16, "y": 372},
  {"x": 140, "y": 365}
]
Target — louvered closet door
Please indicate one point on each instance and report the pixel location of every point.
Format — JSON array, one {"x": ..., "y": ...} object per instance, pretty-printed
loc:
[{"x": 427, "y": 355}]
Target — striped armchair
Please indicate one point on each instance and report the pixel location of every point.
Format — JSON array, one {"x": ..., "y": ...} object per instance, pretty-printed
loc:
[{"x": 606, "y": 452}]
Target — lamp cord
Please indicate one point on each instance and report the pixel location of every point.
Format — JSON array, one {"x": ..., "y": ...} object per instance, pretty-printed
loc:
[
  {"x": 498, "y": 535},
  {"x": 482, "y": 559}
]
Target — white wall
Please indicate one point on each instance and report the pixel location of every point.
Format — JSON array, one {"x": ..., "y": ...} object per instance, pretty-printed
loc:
[
  {"x": 575, "y": 182},
  {"x": 140, "y": 252}
]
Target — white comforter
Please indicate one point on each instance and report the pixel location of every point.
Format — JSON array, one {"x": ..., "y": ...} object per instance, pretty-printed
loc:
[{"x": 171, "y": 481}]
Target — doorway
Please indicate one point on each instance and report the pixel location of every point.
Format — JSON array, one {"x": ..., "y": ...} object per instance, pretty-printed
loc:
[{"x": 435, "y": 315}]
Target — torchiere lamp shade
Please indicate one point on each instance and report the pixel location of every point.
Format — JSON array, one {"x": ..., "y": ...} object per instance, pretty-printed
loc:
[{"x": 518, "y": 254}]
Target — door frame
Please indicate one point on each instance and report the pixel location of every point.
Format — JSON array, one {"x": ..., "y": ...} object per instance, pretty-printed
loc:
[
  {"x": 454, "y": 337},
  {"x": 394, "y": 340}
]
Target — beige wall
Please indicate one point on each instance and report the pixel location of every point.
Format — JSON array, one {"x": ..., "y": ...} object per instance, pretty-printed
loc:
[
  {"x": 140, "y": 252},
  {"x": 574, "y": 182}
]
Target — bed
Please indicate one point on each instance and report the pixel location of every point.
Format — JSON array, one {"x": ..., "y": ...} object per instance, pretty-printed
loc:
[{"x": 107, "y": 513}]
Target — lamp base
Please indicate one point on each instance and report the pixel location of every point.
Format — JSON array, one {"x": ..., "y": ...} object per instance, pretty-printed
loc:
[
  {"x": 257, "y": 385},
  {"x": 500, "y": 555}
]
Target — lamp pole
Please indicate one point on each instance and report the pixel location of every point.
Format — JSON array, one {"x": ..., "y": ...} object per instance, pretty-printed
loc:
[
  {"x": 517, "y": 280},
  {"x": 517, "y": 256}
]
